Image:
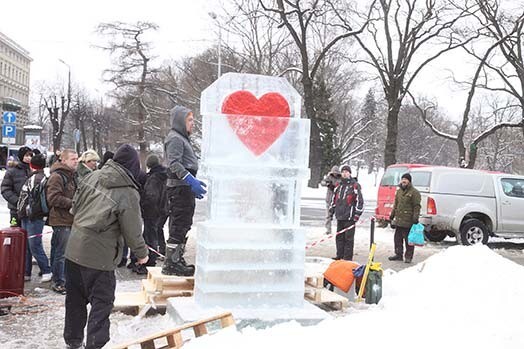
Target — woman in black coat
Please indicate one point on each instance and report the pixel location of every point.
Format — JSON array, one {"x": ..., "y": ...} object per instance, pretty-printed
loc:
[{"x": 14, "y": 179}]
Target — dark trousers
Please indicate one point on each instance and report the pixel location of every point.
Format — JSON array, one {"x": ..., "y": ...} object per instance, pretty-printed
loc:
[
  {"x": 161, "y": 237},
  {"x": 151, "y": 238},
  {"x": 96, "y": 287},
  {"x": 401, "y": 239},
  {"x": 181, "y": 210},
  {"x": 345, "y": 241}
]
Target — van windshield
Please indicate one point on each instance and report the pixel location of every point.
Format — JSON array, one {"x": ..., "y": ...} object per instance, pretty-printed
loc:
[
  {"x": 421, "y": 179},
  {"x": 392, "y": 176}
]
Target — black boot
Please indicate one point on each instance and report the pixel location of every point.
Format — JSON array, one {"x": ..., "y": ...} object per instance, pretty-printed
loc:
[
  {"x": 395, "y": 258},
  {"x": 174, "y": 263}
]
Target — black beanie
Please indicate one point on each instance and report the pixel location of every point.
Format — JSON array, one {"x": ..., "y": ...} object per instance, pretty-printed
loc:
[
  {"x": 38, "y": 162},
  {"x": 22, "y": 151},
  {"x": 407, "y": 176},
  {"x": 345, "y": 168},
  {"x": 127, "y": 156},
  {"x": 152, "y": 160}
]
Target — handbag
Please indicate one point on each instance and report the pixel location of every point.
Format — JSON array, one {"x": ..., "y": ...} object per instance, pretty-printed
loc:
[{"x": 416, "y": 235}]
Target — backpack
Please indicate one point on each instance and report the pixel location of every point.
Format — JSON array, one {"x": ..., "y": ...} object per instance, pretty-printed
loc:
[{"x": 33, "y": 198}]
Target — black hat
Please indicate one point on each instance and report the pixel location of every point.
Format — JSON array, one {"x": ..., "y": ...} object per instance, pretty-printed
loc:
[
  {"x": 407, "y": 176},
  {"x": 38, "y": 162},
  {"x": 23, "y": 151},
  {"x": 152, "y": 160},
  {"x": 127, "y": 156},
  {"x": 345, "y": 168}
]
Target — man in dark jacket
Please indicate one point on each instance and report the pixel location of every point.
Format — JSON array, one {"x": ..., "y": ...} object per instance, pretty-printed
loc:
[
  {"x": 153, "y": 203},
  {"x": 331, "y": 180},
  {"x": 106, "y": 212},
  {"x": 347, "y": 205},
  {"x": 61, "y": 187},
  {"x": 14, "y": 179},
  {"x": 182, "y": 188},
  {"x": 406, "y": 211}
]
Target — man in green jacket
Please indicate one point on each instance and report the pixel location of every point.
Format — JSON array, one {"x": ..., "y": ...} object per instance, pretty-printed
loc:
[
  {"x": 406, "y": 211},
  {"x": 106, "y": 209}
]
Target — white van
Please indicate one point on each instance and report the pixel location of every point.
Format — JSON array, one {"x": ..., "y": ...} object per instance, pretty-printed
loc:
[{"x": 468, "y": 204}]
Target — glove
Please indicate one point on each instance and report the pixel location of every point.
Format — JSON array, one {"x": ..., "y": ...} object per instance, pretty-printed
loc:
[
  {"x": 356, "y": 218},
  {"x": 197, "y": 187}
]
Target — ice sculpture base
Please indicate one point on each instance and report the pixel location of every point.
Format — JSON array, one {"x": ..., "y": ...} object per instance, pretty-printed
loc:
[{"x": 185, "y": 309}]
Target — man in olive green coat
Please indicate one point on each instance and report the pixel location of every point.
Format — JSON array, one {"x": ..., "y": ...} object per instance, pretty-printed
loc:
[
  {"x": 106, "y": 209},
  {"x": 405, "y": 213}
]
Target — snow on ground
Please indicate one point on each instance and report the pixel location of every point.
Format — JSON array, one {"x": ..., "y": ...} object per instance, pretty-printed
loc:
[{"x": 462, "y": 297}]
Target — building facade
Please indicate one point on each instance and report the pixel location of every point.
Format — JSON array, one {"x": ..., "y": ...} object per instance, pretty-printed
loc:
[{"x": 14, "y": 82}]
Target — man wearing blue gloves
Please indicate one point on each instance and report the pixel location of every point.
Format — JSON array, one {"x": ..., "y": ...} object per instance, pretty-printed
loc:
[{"x": 182, "y": 188}]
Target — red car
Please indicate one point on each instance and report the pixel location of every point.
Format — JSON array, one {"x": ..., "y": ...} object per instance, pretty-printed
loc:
[{"x": 387, "y": 189}]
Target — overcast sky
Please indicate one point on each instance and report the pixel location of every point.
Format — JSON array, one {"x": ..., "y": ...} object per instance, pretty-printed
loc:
[{"x": 63, "y": 29}]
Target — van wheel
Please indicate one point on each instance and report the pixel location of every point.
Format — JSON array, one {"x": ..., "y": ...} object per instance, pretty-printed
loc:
[
  {"x": 382, "y": 223},
  {"x": 473, "y": 231},
  {"x": 436, "y": 235}
]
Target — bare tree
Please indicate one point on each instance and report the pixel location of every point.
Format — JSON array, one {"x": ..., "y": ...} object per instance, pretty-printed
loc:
[
  {"x": 131, "y": 54},
  {"x": 403, "y": 38},
  {"x": 58, "y": 108},
  {"x": 299, "y": 18}
]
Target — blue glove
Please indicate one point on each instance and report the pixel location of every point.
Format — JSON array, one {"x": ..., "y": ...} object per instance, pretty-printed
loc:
[{"x": 197, "y": 187}]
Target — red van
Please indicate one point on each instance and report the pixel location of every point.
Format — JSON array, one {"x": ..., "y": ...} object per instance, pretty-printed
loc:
[{"x": 387, "y": 189}]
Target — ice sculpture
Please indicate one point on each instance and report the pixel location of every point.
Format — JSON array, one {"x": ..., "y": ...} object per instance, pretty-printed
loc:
[{"x": 255, "y": 149}]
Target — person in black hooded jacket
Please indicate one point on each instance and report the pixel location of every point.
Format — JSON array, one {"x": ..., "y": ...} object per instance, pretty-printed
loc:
[
  {"x": 153, "y": 203},
  {"x": 14, "y": 179}
]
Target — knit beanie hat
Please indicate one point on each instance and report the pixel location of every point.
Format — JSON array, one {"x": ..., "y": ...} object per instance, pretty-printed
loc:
[
  {"x": 89, "y": 155},
  {"x": 407, "y": 176},
  {"x": 127, "y": 156},
  {"x": 345, "y": 168},
  {"x": 37, "y": 162},
  {"x": 23, "y": 151},
  {"x": 335, "y": 170},
  {"x": 152, "y": 160}
]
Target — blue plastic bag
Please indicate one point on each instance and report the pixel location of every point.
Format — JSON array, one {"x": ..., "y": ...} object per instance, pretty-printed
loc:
[{"x": 416, "y": 235}]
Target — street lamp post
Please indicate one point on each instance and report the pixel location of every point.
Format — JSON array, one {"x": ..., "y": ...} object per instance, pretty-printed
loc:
[
  {"x": 76, "y": 132},
  {"x": 214, "y": 17}
]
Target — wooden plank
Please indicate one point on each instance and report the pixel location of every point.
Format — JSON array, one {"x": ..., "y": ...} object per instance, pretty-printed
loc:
[
  {"x": 331, "y": 298},
  {"x": 129, "y": 299},
  {"x": 316, "y": 281},
  {"x": 175, "y": 340},
  {"x": 314, "y": 294},
  {"x": 199, "y": 328},
  {"x": 227, "y": 321}
]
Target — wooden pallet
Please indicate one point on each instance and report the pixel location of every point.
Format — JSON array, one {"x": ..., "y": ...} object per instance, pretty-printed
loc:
[
  {"x": 326, "y": 297},
  {"x": 174, "y": 338}
]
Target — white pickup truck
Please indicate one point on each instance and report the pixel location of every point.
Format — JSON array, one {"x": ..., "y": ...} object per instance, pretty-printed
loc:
[{"x": 470, "y": 205}]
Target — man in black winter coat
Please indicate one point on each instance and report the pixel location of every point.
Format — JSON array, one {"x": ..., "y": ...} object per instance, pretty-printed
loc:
[
  {"x": 14, "y": 179},
  {"x": 347, "y": 205},
  {"x": 153, "y": 203}
]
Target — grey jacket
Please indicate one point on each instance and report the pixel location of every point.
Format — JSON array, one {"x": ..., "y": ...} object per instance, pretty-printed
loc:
[
  {"x": 106, "y": 212},
  {"x": 181, "y": 158}
]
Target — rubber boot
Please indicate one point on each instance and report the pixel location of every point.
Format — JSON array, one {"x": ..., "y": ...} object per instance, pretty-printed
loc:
[{"x": 174, "y": 264}]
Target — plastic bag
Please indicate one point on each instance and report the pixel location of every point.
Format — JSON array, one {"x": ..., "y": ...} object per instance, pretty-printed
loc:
[{"x": 416, "y": 235}]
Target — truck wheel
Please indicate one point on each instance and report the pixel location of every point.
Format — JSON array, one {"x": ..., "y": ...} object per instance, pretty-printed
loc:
[
  {"x": 436, "y": 235},
  {"x": 473, "y": 231}
]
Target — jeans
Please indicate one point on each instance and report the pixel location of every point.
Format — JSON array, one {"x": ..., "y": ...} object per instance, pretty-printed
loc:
[
  {"x": 34, "y": 246},
  {"x": 58, "y": 246},
  {"x": 96, "y": 287}
]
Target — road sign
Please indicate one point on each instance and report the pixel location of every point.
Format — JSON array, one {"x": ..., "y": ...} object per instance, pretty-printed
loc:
[
  {"x": 76, "y": 135},
  {"x": 9, "y": 117},
  {"x": 8, "y": 131}
]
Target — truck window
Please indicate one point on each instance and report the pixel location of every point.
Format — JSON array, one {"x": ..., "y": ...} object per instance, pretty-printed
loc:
[
  {"x": 392, "y": 176},
  {"x": 513, "y": 187},
  {"x": 421, "y": 179}
]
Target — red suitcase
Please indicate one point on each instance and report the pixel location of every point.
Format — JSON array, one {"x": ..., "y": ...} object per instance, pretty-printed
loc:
[{"x": 13, "y": 242}]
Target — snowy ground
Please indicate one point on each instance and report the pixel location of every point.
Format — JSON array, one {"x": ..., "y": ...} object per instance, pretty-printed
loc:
[{"x": 450, "y": 296}]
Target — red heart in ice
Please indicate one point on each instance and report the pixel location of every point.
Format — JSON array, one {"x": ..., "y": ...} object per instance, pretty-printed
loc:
[{"x": 257, "y": 133}]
